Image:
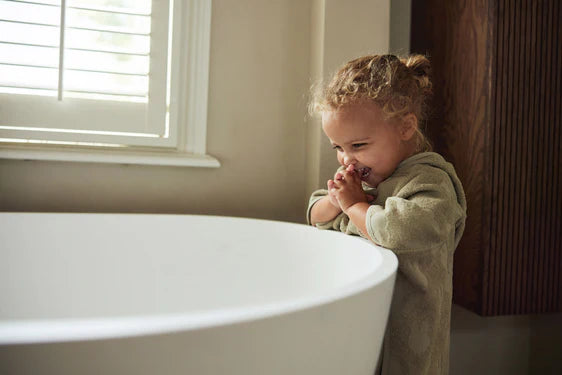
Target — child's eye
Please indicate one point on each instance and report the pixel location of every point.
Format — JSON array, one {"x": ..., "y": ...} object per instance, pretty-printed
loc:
[
  {"x": 359, "y": 145},
  {"x": 336, "y": 148}
]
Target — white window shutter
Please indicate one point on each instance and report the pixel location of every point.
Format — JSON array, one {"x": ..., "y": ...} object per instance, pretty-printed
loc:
[
  {"x": 115, "y": 107},
  {"x": 108, "y": 82}
]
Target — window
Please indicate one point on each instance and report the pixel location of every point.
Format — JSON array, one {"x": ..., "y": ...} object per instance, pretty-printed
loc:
[{"x": 109, "y": 80}]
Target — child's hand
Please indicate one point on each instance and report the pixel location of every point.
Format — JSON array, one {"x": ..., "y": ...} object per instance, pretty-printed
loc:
[
  {"x": 346, "y": 189},
  {"x": 331, "y": 191},
  {"x": 332, "y": 196}
]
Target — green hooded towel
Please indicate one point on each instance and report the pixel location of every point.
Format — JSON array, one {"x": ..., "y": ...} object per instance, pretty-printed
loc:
[{"x": 419, "y": 213}]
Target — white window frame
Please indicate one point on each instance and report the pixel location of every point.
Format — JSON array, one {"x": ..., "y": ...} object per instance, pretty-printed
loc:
[{"x": 186, "y": 143}]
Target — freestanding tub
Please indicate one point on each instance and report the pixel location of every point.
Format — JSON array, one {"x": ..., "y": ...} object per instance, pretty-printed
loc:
[{"x": 172, "y": 294}]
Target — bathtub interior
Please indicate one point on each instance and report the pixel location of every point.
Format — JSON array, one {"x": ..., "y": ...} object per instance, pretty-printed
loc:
[{"x": 87, "y": 266}]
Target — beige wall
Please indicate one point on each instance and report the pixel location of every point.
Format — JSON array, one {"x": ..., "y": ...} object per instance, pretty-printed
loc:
[
  {"x": 400, "y": 19},
  {"x": 341, "y": 31}
]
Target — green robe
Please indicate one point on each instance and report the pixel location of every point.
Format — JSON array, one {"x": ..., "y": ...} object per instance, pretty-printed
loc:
[{"x": 419, "y": 213}]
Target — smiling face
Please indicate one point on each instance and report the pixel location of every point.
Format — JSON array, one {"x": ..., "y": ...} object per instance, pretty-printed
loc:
[{"x": 363, "y": 137}]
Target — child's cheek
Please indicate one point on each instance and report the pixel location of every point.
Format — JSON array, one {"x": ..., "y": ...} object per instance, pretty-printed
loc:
[{"x": 340, "y": 158}]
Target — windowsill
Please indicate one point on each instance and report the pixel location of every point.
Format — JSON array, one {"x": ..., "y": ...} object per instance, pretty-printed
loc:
[{"x": 91, "y": 155}]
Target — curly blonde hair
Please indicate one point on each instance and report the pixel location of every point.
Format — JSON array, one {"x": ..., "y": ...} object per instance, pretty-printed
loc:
[{"x": 398, "y": 86}]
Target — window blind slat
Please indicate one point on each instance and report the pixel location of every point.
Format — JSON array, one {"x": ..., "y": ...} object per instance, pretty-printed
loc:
[
  {"x": 42, "y": 2},
  {"x": 27, "y": 91},
  {"x": 123, "y": 6},
  {"x": 108, "y": 9},
  {"x": 110, "y": 52},
  {"x": 107, "y": 62},
  {"x": 108, "y": 83},
  {"x": 29, "y": 77},
  {"x": 30, "y": 13},
  {"x": 29, "y": 34},
  {"x": 18, "y": 54},
  {"x": 104, "y": 21},
  {"x": 107, "y": 41}
]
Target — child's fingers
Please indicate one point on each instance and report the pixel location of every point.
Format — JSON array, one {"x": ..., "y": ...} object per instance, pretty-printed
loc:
[
  {"x": 350, "y": 175},
  {"x": 334, "y": 184},
  {"x": 338, "y": 173}
]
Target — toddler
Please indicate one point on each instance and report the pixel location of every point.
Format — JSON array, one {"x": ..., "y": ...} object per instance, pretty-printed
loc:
[{"x": 392, "y": 190}]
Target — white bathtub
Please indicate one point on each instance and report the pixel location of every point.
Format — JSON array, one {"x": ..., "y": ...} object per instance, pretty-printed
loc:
[{"x": 172, "y": 294}]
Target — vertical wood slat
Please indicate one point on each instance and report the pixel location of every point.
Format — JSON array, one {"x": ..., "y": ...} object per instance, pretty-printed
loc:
[
  {"x": 557, "y": 182},
  {"x": 543, "y": 156},
  {"x": 531, "y": 244},
  {"x": 535, "y": 203},
  {"x": 489, "y": 186},
  {"x": 522, "y": 80},
  {"x": 497, "y": 110},
  {"x": 556, "y": 240},
  {"x": 526, "y": 152},
  {"x": 510, "y": 248},
  {"x": 499, "y": 91},
  {"x": 557, "y": 159},
  {"x": 495, "y": 217},
  {"x": 536, "y": 249},
  {"x": 550, "y": 166}
]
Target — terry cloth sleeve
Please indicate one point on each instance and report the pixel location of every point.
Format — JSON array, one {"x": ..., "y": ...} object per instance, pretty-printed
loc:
[
  {"x": 420, "y": 216},
  {"x": 340, "y": 223},
  {"x": 315, "y": 197}
]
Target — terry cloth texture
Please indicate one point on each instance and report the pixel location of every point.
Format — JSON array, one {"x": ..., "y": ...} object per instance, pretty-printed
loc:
[{"x": 419, "y": 213}]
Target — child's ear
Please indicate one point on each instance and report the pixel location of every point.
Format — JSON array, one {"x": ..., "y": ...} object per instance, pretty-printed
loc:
[{"x": 408, "y": 127}]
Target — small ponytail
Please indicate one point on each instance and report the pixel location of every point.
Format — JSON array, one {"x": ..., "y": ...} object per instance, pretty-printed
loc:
[{"x": 420, "y": 67}]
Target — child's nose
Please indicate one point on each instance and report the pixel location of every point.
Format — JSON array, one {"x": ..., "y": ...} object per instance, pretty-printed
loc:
[{"x": 348, "y": 159}]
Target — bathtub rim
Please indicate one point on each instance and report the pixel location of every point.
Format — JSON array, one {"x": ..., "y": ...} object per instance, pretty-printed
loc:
[{"x": 40, "y": 331}]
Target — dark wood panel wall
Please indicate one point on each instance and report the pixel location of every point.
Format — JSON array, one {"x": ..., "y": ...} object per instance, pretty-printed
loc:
[
  {"x": 496, "y": 116},
  {"x": 526, "y": 202}
]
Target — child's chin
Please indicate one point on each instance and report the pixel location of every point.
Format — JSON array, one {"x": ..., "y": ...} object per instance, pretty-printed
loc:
[{"x": 369, "y": 183}]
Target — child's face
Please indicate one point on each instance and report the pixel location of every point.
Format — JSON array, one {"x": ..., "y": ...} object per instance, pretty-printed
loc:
[{"x": 361, "y": 136}]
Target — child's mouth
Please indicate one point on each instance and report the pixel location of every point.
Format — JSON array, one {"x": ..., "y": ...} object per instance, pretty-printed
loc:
[{"x": 364, "y": 173}]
